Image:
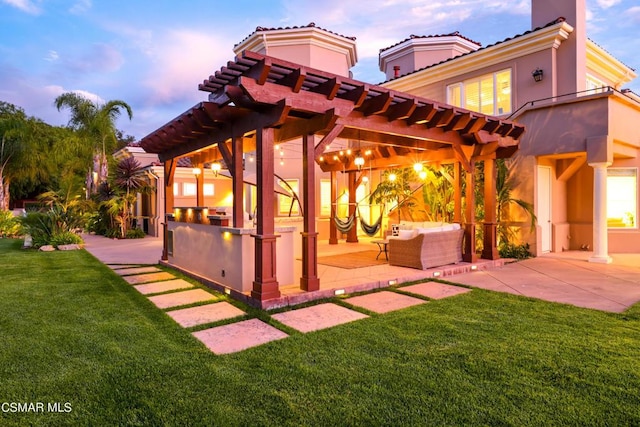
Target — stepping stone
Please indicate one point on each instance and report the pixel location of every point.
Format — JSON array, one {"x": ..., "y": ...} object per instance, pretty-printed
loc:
[
  {"x": 238, "y": 336},
  {"x": 137, "y": 270},
  {"x": 435, "y": 290},
  {"x": 384, "y": 302},
  {"x": 149, "y": 277},
  {"x": 119, "y": 266},
  {"x": 202, "y": 314},
  {"x": 317, "y": 317},
  {"x": 159, "y": 287},
  {"x": 181, "y": 298}
]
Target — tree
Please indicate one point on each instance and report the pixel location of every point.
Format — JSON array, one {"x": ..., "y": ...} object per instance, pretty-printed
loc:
[
  {"x": 128, "y": 182},
  {"x": 96, "y": 123},
  {"x": 505, "y": 184},
  {"x": 13, "y": 124}
]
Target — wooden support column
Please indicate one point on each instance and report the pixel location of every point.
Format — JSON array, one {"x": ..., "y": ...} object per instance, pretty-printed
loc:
[
  {"x": 457, "y": 192},
  {"x": 309, "y": 280},
  {"x": 470, "y": 216},
  {"x": 333, "y": 230},
  {"x": 352, "y": 235},
  {"x": 490, "y": 241},
  {"x": 265, "y": 285},
  {"x": 237, "y": 173},
  {"x": 169, "y": 173},
  {"x": 199, "y": 186}
]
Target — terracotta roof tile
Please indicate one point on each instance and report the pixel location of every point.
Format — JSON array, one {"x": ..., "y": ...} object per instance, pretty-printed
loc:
[
  {"x": 554, "y": 22},
  {"x": 309, "y": 25},
  {"x": 413, "y": 36}
]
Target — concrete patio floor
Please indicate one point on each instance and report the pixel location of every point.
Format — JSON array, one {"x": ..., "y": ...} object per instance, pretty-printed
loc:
[{"x": 563, "y": 277}]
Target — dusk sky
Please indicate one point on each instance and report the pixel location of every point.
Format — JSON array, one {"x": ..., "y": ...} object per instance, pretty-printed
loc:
[{"x": 153, "y": 54}]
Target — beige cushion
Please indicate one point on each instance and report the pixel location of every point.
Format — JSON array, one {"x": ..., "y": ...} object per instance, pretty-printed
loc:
[{"x": 407, "y": 234}]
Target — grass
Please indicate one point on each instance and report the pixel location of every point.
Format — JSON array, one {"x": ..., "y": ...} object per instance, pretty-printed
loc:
[{"x": 73, "y": 331}]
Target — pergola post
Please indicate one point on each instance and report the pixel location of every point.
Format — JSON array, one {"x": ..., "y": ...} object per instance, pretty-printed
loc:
[
  {"x": 265, "y": 285},
  {"x": 199, "y": 186},
  {"x": 237, "y": 173},
  {"x": 309, "y": 280},
  {"x": 470, "y": 217},
  {"x": 457, "y": 192},
  {"x": 169, "y": 173},
  {"x": 490, "y": 240},
  {"x": 333, "y": 230},
  {"x": 352, "y": 234}
]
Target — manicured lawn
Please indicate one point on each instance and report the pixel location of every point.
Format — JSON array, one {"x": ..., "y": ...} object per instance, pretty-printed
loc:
[{"x": 73, "y": 331}]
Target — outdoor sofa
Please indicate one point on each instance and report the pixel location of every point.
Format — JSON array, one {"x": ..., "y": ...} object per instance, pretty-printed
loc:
[{"x": 426, "y": 245}]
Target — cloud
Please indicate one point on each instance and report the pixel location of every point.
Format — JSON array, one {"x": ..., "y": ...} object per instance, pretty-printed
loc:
[
  {"x": 24, "y": 5},
  {"x": 634, "y": 14},
  {"x": 181, "y": 60},
  {"x": 52, "y": 56},
  {"x": 100, "y": 57},
  {"x": 605, "y": 4},
  {"x": 80, "y": 7}
]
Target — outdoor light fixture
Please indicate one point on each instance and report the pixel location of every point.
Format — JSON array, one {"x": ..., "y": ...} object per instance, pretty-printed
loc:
[
  {"x": 196, "y": 171},
  {"x": 392, "y": 177},
  {"x": 216, "y": 167},
  {"x": 537, "y": 75},
  {"x": 436, "y": 274},
  {"x": 418, "y": 167},
  {"x": 359, "y": 161},
  {"x": 365, "y": 179},
  {"x": 422, "y": 175}
]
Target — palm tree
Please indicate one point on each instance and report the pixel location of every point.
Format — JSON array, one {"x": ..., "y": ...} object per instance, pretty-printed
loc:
[
  {"x": 129, "y": 181},
  {"x": 96, "y": 123}
]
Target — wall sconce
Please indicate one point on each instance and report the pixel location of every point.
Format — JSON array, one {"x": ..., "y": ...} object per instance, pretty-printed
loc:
[
  {"x": 359, "y": 162},
  {"x": 537, "y": 75}
]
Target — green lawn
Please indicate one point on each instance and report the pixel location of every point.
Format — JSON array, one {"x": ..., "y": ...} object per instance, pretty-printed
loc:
[{"x": 72, "y": 331}]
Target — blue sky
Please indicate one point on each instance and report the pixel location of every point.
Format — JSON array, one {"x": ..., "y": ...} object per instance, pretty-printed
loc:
[{"x": 153, "y": 54}]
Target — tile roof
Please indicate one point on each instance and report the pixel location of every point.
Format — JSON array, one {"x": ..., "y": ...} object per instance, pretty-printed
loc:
[
  {"x": 554, "y": 22},
  {"x": 309, "y": 25},
  {"x": 413, "y": 36}
]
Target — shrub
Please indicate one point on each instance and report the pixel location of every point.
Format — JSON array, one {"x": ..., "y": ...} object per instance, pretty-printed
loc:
[
  {"x": 39, "y": 226},
  {"x": 65, "y": 238},
  {"x": 112, "y": 233},
  {"x": 509, "y": 250},
  {"x": 9, "y": 224},
  {"x": 135, "y": 233}
]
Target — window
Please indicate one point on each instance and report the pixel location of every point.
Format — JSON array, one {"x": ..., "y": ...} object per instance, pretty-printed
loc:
[
  {"x": 288, "y": 203},
  {"x": 208, "y": 189},
  {"x": 176, "y": 189},
  {"x": 189, "y": 189},
  {"x": 594, "y": 85},
  {"x": 622, "y": 198},
  {"x": 488, "y": 94},
  {"x": 325, "y": 197}
]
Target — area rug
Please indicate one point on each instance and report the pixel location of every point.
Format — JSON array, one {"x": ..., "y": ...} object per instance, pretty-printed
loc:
[{"x": 353, "y": 259}]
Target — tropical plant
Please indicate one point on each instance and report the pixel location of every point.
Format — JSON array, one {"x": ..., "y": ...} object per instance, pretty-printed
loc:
[
  {"x": 13, "y": 123},
  {"x": 395, "y": 190},
  {"x": 505, "y": 183},
  {"x": 128, "y": 181},
  {"x": 9, "y": 224},
  {"x": 96, "y": 123}
]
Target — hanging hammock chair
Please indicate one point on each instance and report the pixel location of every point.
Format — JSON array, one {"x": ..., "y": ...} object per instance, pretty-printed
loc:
[
  {"x": 344, "y": 226},
  {"x": 370, "y": 229}
]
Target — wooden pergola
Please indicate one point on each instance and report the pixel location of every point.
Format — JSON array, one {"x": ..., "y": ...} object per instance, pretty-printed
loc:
[{"x": 258, "y": 101}]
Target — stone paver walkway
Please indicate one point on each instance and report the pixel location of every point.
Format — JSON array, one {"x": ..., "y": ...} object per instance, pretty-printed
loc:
[
  {"x": 177, "y": 299},
  {"x": 435, "y": 290},
  {"x": 210, "y": 313},
  {"x": 168, "y": 292},
  {"x": 384, "y": 302},
  {"x": 239, "y": 336},
  {"x": 160, "y": 287},
  {"x": 317, "y": 317},
  {"x": 148, "y": 277},
  {"x": 136, "y": 270}
]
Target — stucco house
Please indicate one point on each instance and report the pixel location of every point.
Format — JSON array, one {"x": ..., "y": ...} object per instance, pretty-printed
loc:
[
  {"x": 578, "y": 161},
  {"x": 302, "y": 144}
]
